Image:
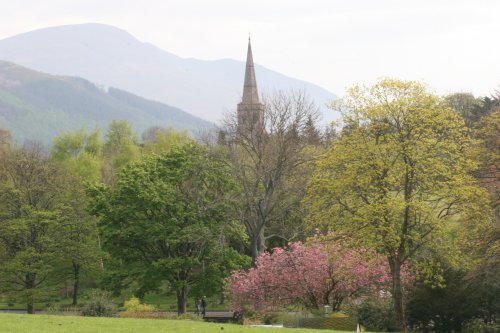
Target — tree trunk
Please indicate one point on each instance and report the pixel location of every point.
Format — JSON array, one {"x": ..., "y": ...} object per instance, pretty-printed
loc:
[
  {"x": 397, "y": 295},
  {"x": 76, "y": 282},
  {"x": 30, "y": 305},
  {"x": 258, "y": 244},
  {"x": 222, "y": 298},
  {"x": 101, "y": 261},
  {"x": 181, "y": 300},
  {"x": 30, "y": 286}
]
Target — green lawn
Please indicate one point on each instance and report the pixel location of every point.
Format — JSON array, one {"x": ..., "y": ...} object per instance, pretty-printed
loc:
[{"x": 16, "y": 323}]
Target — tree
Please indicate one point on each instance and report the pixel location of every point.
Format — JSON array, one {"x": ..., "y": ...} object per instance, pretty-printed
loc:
[
  {"x": 149, "y": 134},
  {"x": 163, "y": 139},
  {"x": 269, "y": 164},
  {"x": 486, "y": 246},
  {"x": 78, "y": 154},
  {"x": 4, "y": 142},
  {"x": 462, "y": 298},
  {"x": 120, "y": 147},
  {"x": 166, "y": 215},
  {"x": 311, "y": 135},
  {"x": 489, "y": 157},
  {"x": 29, "y": 222},
  {"x": 398, "y": 179},
  {"x": 487, "y": 105},
  {"x": 466, "y": 105},
  {"x": 306, "y": 275}
]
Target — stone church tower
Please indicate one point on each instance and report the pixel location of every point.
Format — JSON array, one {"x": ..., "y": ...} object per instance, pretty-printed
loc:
[{"x": 250, "y": 110}]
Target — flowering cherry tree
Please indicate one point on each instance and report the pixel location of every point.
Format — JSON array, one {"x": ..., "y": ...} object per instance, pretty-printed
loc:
[{"x": 307, "y": 275}]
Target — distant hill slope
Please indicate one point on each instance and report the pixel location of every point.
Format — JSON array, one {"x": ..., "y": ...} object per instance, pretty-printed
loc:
[
  {"x": 38, "y": 106},
  {"x": 112, "y": 57}
]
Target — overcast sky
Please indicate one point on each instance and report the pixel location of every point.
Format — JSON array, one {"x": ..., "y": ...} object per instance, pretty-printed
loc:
[{"x": 451, "y": 45}]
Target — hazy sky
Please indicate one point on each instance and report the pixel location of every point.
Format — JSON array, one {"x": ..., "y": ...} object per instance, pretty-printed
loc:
[{"x": 451, "y": 45}]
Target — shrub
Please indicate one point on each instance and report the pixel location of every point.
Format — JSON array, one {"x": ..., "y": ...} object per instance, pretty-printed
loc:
[
  {"x": 376, "y": 315},
  {"x": 465, "y": 298},
  {"x": 99, "y": 305},
  {"x": 135, "y": 305},
  {"x": 291, "y": 318},
  {"x": 11, "y": 302},
  {"x": 135, "y": 309},
  {"x": 479, "y": 326},
  {"x": 272, "y": 318}
]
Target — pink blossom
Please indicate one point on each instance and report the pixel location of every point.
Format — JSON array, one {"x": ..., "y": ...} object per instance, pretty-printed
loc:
[{"x": 310, "y": 275}]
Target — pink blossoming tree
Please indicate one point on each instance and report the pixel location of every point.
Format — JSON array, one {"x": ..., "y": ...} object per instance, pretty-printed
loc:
[{"x": 306, "y": 275}]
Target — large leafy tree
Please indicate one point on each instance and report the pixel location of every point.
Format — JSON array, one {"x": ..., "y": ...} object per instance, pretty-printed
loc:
[
  {"x": 79, "y": 156},
  {"x": 398, "y": 178},
  {"x": 166, "y": 216},
  {"x": 489, "y": 156},
  {"x": 30, "y": 218},
  {"x": 486, "y": 247}
]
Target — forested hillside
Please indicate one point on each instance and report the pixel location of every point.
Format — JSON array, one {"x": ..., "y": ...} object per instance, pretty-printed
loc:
[{"x": 38, "y": 106}]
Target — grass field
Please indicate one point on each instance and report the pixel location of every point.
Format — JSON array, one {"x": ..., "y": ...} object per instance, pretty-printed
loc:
[{"x": 12, "y": 323}]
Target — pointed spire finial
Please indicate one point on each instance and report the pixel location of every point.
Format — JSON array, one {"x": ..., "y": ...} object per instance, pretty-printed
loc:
[{"x": 250, "y": 95}]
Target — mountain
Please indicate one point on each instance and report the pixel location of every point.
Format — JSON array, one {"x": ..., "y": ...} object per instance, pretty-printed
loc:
[
  {"x": 112, "y": 57},
  {"x": 38, "y": 106}
]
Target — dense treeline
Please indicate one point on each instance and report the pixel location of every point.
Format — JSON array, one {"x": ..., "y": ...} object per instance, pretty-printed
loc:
[{"x": 410, "y": 176}]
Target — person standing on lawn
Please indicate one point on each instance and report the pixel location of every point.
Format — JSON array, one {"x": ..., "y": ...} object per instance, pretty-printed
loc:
[{"x": 198, "y": 306}]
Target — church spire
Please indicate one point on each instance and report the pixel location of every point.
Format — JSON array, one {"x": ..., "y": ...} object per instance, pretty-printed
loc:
[
  {"x": 250, "y": 110},
  {"x": 250, "y": 94}
]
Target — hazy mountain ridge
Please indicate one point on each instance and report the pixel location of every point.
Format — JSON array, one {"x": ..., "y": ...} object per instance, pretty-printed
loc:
[
  {"x": 38, "y": 106},
  {"x": 112, "y": 57}
]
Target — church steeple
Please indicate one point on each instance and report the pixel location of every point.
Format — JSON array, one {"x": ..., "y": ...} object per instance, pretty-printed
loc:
[
  {"x": 250, "y": 94},
  {"x": 250, "y": 110}
]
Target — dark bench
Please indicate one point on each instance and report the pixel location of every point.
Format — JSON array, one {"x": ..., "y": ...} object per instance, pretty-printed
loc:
[{"x": 219, "y": 316}]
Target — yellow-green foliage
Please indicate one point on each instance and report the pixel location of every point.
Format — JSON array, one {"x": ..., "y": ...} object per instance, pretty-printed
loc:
[
  {"x": 79, "y": 153},
  {"x": 135, "y": 309},
  {"x": 134, "y": 304},
  {"x": 399, "y": 177},
  {"x": 165, "y": 139}
]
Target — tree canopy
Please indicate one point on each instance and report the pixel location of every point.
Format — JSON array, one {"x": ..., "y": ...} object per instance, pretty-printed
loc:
[
  {"x": 399, "y": 177},
  {"x": 166, "y": 214}
]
